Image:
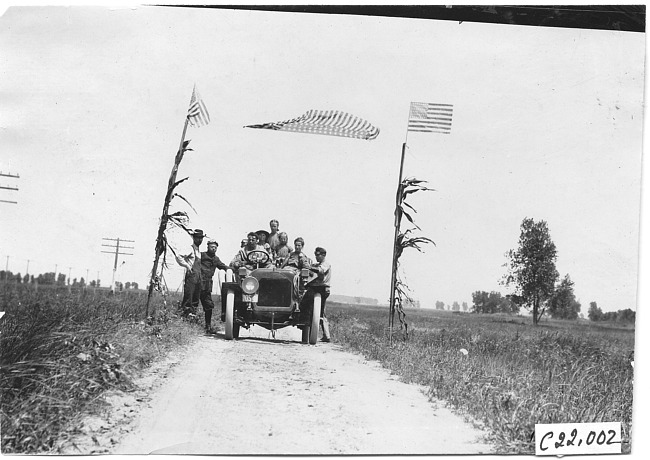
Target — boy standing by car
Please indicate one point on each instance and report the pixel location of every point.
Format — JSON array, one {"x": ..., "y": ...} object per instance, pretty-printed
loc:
[{"x": 321, "y": 284}]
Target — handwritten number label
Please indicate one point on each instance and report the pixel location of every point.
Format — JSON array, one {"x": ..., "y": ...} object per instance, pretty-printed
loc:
[{"x": 578, "y": 438}]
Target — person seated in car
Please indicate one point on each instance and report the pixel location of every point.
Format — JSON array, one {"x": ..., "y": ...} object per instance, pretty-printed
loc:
[
  {"x": 283, "y": 250},
  {"x": 251, "y": 256},
  {"x": 297, "y": 260},
  {"x": 262, "y": 238}
]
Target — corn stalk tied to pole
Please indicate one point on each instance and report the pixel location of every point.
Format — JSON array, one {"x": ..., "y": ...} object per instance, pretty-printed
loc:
[
  {"x": 399, "y": 289},
  {"x": 179, "y": 218}
]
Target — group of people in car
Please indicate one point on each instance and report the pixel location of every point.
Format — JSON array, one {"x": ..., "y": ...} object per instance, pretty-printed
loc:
[
  {"x": 264, "y": 249},
  {"x": 260, "y": 249}
]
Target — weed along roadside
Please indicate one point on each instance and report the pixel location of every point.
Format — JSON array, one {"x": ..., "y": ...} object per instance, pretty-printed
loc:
[
  {"x": 503, "y": 372},
  {"x": 61, "y": 351}
]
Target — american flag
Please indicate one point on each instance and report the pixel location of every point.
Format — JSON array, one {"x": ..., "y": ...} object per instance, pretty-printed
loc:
[
  {"x": 197, "y": 114},
  {"x": 426, "y": 117},
  {"x": 326, "y": 122}
]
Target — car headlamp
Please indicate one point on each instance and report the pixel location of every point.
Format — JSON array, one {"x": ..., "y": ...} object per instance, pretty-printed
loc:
[{"x": 250, "y": 285}]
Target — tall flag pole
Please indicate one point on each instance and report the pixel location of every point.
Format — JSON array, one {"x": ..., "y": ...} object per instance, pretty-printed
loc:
[
  {"x": 197, "y": 115},
  {"x": 424, "y": 118}
]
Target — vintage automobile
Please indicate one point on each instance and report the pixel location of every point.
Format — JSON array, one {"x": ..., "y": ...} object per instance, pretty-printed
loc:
[{"x": 272, "y": 298}]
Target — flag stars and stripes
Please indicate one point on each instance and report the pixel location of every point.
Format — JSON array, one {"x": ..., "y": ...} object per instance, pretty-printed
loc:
[
  {"x": 197, "y": 114},
  {"x": 326, "y": 122},
  {"x": 427, "y": 117}
]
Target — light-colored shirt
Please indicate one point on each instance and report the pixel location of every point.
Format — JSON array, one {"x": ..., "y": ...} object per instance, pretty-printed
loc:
[
  {"x": 241, "y": 258},
  {"x": 324, "y": 273},
  {"x": 192, "y": 261}
]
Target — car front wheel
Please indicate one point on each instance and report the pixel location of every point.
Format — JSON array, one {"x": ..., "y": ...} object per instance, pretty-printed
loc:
[
  {"x": 230, "y": 316},
  {"x": 315, "y": 320}
]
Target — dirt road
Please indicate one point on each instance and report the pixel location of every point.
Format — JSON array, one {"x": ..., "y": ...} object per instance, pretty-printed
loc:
[{"x": 259, "y": 395}]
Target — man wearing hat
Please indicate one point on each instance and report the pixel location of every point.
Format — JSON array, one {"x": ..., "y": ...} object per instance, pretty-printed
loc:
[
  {"x": 321, "y": 284},
  {"x": 192, "y": 284},
  {"x": 209, "y": 263}
]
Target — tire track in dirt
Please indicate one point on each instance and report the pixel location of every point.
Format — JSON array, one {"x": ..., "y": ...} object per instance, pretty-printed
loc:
[{"x": 258, "y": 395}]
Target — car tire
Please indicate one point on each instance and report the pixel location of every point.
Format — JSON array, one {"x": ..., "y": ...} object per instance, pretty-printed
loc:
[
  {"x": 221, "y": 278},
  {"x": 230, "y": 316},
  {"x": 315, "y": 320}
]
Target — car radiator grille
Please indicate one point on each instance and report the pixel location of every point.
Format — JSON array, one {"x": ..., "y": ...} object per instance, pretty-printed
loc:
[{"x": 275, "y": 293}]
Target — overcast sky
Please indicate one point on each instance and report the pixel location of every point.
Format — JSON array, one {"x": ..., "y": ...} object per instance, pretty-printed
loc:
[{"x": 547, "y": 124}]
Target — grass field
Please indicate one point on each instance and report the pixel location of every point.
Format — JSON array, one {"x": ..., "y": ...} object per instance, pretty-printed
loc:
[
  {"x": 501, "y": 370},
  {"x": 62, "y": 350}
]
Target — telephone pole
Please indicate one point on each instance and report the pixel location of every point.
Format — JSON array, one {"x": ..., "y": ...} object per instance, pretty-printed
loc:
[
  {"x": 117, "y": 248},
  {"x": 15, "y": 176}
]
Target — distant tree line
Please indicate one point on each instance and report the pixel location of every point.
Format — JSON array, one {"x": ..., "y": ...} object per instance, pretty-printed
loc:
[
  {"x": 492, "y": 302},
  {"x": 623, "y": 316},
  {"x": 562, "y": 303},
  {"x": 48, "y": 279},
  {"x": 453, "y": 307},
  {"x": 537, "y": 285}
]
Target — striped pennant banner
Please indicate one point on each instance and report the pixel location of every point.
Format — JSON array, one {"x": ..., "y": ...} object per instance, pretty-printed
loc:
[
  {"x": 326, "y": 122},
  {"x": 197, "y": 114},
  {"x": 426, "y": 117}
]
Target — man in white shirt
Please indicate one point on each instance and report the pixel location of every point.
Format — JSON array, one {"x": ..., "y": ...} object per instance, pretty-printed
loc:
[
  {"x": 321, "y": 284},
  {"x": 258, "y": 257},
  {"x": 193, "y": 278}
]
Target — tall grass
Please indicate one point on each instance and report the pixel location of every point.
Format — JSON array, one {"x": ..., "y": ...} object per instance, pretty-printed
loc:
[
  {"x": 505, "y": 373},
  {"x": 62, "y": 350}
]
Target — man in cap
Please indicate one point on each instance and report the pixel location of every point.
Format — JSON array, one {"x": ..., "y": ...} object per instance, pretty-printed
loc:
[
  {"x": 192, "y": 284},
  {"x": 321, "y": 284},
  {"x": 209, "y": 263}
]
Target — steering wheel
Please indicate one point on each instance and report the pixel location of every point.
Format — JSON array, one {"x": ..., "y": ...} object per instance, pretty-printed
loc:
[{"x": 257, "y": 256}]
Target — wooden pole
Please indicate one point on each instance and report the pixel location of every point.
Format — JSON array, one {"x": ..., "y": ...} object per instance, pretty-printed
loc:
[
  {"x": 393, "y": 278},
  {"x": 164, "y": 218},
  {"x": 117, "y": 252}
]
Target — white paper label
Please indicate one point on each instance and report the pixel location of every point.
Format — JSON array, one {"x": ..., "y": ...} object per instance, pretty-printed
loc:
[{"x": 578, "y": 438}]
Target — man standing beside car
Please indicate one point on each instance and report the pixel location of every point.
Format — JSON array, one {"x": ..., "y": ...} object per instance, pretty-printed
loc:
[
  {"x": 321, "y": 285},
  {"x": 209, "y": 263},
  {"x": 192, "y": 283}
]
